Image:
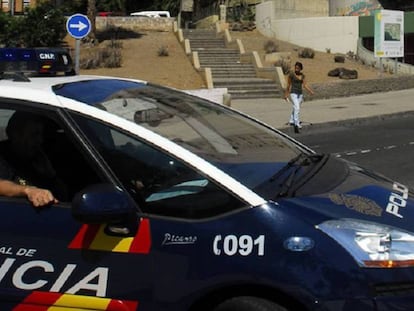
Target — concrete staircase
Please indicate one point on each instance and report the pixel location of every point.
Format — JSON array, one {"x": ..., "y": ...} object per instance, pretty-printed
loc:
[{"x": 226, "y": 68}]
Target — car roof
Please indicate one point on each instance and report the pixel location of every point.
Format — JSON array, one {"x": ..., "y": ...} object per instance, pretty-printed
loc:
[{"x": 40, "y": 88}]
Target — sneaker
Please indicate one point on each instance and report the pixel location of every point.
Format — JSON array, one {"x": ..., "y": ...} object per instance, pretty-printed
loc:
[{"x": 296, "y": 129}]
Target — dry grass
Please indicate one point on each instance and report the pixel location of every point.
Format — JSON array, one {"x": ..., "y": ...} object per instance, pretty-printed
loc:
[
  {"x": 141, "y": 60},
  {"x": 317, "y": 68}
]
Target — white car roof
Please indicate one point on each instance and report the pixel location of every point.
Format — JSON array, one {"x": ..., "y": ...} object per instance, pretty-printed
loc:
[
  {"x": 38, "y": 88},
  {"x": 41, "y": 86}
]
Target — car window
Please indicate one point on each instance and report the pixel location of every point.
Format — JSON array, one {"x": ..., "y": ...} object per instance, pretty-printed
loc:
[
  {"x": 47, "y": 157},
  {"x": 160, "y": 183},
  {"x": 244, "y": 149}
]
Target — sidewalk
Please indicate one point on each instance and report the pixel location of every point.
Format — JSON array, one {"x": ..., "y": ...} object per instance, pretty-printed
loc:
[{"x": 276, "y": 112}]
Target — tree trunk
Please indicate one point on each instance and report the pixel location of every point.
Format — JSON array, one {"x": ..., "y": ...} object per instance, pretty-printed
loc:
[{"x": 92, "y": 18}]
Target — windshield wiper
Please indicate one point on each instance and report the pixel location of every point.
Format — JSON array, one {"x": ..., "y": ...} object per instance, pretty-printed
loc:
[
  {"x": 293, "y": 161},
  {"x": 300, "y": 160}
]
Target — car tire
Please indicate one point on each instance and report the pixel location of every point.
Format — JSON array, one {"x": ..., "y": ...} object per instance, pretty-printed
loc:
[{"x": 247, "y": 303}]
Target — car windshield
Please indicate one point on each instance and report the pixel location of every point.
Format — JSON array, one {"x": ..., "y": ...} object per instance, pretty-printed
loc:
[{"x": 243, "y": 148}]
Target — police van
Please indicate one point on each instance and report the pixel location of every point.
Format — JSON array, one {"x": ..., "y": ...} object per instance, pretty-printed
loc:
[
  {"x": 46, "y": 61},
  {"x": 167, "y": 201}
]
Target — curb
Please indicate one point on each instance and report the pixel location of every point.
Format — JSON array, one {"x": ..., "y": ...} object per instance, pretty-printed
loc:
[{"x": 351, "y": 122}]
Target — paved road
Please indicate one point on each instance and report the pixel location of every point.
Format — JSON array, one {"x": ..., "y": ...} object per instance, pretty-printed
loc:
[
  {"x": 275, "y": 112},
  {"x": 381, "y": 123},
  {"x": 385, "y": 146}
]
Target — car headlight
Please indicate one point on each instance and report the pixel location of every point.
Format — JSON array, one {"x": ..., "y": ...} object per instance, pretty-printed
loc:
[{"x": 371, "y": 244}]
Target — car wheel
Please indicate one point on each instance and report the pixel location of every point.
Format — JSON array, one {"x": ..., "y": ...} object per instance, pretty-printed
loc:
[{"x": 247, "y": 303}]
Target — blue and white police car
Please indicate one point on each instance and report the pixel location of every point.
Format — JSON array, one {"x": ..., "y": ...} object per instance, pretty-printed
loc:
[{"x": 173, "y": 202}]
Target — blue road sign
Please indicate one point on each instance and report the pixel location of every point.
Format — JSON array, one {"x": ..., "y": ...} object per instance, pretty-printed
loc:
[{"x": 78, "y": 26}]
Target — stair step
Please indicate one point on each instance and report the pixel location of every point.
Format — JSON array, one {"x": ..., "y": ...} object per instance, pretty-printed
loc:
[
  {"x": 233, "y": 74},
  {"x": 272, "y": 88},
  {"x": 253, "y": 95},
  {"x": 220, "y": 50},
  {"x": 227, "y": 71},
  {"x": 234, "y": 71},
  {"x": 243, "y": 81},
  {"x": 220, "y": 56},
  {"x": 223, "y": 63}
]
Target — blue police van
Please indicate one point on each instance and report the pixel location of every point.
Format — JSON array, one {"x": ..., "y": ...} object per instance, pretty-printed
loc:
[{"x": 167, "y": 201}]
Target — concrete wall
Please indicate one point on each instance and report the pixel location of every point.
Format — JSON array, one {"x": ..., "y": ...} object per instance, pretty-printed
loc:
[
  {"x": 284, "y": 9},
  {"x": 353, "y": 7},
  {"x": 339, "y": 34},
  {"x": 135, "y": 23}
]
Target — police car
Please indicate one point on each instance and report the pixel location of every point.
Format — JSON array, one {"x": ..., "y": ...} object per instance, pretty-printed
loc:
[{"x": 177, "y": 203}]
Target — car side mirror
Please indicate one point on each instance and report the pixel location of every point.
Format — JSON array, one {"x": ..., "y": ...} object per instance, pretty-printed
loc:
[{"x": 102, "y": 203}]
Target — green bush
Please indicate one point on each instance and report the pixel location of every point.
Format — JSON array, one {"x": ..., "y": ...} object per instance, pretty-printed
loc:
[
  {"x": 109, "y": 56},
  {"x": 163, "y": 51},
  {"x": 42, "y": 26},
  {"x": 285, "y": 64},
  {"x": 307, "y": 53},
  {"x": 270, "y": 46}
]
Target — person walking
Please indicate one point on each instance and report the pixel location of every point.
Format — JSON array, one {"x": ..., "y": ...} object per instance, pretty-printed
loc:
[{"x": 294, "y": 93}]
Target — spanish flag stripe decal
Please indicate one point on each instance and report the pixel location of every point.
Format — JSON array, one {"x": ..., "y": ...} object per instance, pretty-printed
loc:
[
  {"x": 94, "y": 237},
  {"x": 84, "y": 302},
  {"x": 47, "y": 301},
  {"x": 142, "y": 242},
  {"x": 38, "y": 301},
  {"x": 25, "y": 307},
  {"x": 123, "y": 305},
  {"x": 103, "y": 241},
  {"x": 84, "y": 237}
]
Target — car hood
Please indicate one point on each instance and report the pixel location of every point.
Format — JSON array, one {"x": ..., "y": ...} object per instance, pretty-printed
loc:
[{"x": 364, "y": 195}]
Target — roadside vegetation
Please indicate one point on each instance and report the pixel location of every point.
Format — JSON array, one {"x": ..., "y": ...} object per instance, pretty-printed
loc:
[{"x": 42, "y": 26}]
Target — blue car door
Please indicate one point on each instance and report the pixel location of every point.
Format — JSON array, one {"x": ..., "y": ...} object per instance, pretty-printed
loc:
[{"x": 49, "y": 259}]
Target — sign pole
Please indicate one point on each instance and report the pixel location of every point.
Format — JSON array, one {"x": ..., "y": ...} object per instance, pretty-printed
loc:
[{"x": 77, "y": 56}]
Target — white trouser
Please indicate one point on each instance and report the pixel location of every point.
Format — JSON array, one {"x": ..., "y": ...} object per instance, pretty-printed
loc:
[{"x": 296, "y": 100}]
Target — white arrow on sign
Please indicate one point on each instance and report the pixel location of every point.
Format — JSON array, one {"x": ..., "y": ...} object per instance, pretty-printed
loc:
[{"x": 80, "y": 26}]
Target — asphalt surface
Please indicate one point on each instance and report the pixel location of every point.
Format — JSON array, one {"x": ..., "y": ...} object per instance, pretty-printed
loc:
[{"x": 328, "y": 112}]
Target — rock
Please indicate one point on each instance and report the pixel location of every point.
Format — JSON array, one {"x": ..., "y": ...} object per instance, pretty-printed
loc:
[
  {"x": 348, "y": 74},
  {"x": 343, "y": 73},
  {"x": 339, "y": 59},
  {"x": 335, "y": 72}
]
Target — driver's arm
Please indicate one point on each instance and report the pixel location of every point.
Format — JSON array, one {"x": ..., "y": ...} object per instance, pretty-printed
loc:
[{"x": 37, "y": 196}]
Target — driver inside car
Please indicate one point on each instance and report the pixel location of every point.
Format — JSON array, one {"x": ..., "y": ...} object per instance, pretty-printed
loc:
[{"x": 25, "y": 169}]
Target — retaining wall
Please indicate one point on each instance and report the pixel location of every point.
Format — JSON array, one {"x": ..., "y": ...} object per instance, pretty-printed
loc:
[
  {"x": 337, "y": 33},
  {"x": 135, "y": 23}
]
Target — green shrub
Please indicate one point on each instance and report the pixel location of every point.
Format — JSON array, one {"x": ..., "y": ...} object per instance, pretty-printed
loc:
[
  {"x": 111, "y": 57},
  {"x": 285, "y": 64},
  {"x": 42, "y": 26},
  {"x": 114, "y": 44},
  {"x": 91, "y": 60},
  {"x": 163, "y": 51},
  {"x": 307, "y": 53},
  {"x": 270, "y": 46}
]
